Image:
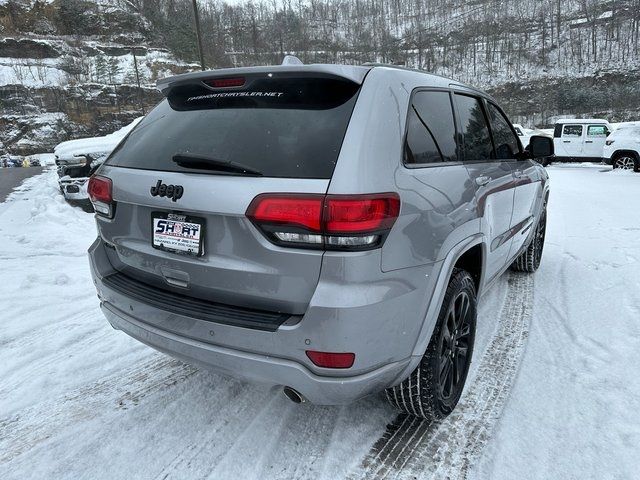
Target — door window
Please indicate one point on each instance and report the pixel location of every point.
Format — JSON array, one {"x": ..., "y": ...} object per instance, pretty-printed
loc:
[
  {"x": 573, "y": 131},
  {"x": 503, "y": 137},
  {"x": 599, "y": 131},
  {"x": 475, "y": 132}
]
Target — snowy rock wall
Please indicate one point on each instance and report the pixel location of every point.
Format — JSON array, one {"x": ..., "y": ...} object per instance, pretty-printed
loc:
[{"x": 68, "y": 69}]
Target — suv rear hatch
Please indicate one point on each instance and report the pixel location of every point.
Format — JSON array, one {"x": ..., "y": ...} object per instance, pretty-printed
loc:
[{"x": 202, "y": 155}]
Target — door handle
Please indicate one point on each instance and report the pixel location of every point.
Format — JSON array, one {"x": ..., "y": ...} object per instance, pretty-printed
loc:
[
  {"x": 588, "y": 141},
  {"x": 566, "y": 141},
  {"x": 482, "y": 180}
]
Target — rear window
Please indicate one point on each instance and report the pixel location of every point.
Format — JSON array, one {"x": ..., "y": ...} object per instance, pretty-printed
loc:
[{"x": 284, "y": 127}]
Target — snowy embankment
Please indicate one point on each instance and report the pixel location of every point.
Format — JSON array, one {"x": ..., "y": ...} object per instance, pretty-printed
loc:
[{"x": 553, "y": 392}]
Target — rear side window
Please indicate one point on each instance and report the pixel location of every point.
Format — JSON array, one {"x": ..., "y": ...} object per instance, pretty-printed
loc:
[
  {"x": 420, "y": 145},
  {"x": 431, "y": 132},
  {"x": 572, "y": 131},
  {"x": 597, "y": 131},
  {"x": 277, "y": 127},
  {"x": 506, "y": 142},
  {"x": 477, "y": 141}
]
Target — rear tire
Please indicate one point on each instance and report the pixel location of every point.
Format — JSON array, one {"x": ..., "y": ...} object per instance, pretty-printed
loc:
[
  {"x": 433, "y": 389},
  {"x": 529, "y": 260}
]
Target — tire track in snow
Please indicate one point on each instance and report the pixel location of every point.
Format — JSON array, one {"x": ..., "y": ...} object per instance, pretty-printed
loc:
[
  {"x": 236, "y": 411},
  {"x": 251, "y": 426},
  {"x": 413, "y": 448},
  {"x": 38, "y": 366},
  {"x": 30, "y": 426}
]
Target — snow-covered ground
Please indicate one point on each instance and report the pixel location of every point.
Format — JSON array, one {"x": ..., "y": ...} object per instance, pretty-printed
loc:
[{"x": 554, "y": 390}]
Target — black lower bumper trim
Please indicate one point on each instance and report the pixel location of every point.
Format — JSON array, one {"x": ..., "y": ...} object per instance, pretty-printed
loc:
[{"x": 195, "y": 307}]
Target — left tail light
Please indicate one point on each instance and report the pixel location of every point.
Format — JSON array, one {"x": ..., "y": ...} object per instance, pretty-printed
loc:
[
  {"x": 333, "y": 222},
  {"x": 100, "y": 190}
]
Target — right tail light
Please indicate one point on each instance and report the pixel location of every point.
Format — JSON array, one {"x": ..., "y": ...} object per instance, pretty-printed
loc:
[{"x": 334, "y": 222}]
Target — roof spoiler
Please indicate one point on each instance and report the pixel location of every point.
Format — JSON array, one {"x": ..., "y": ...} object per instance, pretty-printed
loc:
[{"x": 355, "y": 74}]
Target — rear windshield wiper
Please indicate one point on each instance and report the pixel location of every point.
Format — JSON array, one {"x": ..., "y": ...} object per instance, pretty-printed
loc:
[{"x": 194, "y": 160}]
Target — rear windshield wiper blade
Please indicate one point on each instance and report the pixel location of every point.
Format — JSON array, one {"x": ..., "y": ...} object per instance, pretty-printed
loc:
[{"x": 194, "y": 160}]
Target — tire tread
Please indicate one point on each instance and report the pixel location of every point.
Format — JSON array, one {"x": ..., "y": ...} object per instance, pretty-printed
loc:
[{"x": 418, "y": 391}]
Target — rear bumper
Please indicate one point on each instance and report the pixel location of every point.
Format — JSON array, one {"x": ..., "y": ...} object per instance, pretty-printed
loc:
[
  {"x": 379, "y": 321},
  {"x": 253, "y": 367}
]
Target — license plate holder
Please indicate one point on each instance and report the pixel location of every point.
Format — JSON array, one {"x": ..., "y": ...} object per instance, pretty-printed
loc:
[{"x": 178, "y": 233}]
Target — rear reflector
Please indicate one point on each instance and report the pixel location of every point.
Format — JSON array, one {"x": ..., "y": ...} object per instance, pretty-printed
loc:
[
  {"x": 331, "y": 360},
  {"x": 339, "y": 222},
  {"x": 100, "y": 192},
  {"x": 225, "y": 82}
]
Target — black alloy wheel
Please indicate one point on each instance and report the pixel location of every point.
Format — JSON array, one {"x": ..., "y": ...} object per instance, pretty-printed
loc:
[{"x": 454, "y": 348}]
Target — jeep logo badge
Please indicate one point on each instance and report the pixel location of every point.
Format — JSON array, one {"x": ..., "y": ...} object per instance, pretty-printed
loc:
[{"x": 174, "y": 192}]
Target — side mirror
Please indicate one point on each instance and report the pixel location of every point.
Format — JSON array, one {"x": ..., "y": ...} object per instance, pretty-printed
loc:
[{"x": 541, "y": 146}]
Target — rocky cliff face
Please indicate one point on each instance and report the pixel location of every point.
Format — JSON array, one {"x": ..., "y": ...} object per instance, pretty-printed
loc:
[
  {"x": 35, "y": 119},
  {"x": 73, "y": 68}
]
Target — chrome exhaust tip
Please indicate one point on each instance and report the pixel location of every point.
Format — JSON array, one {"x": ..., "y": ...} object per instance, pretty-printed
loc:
[{"x": 293, "y": 395}]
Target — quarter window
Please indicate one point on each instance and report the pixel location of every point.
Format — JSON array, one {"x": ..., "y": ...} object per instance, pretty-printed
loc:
[
  {"x": 435, "y": 111},
  {"x": 503, "y": 137},
  {"x": 476, "y": 139},
  {"x": 430, "y": 129},
  {"x": 420, "y": 145},
  {"x": 572, "y": 131}
]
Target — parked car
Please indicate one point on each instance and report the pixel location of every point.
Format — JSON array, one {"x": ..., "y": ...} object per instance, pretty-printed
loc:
[
  {"x": 326, "y": 229},
  {"x": 525, "y": 134},
  {"x": 580, "y": 140},
  {"x": 74, "y": 152},
  {"x": 622, "y": 148},
  {"x": 73, "y": 180},
  {"x": 78, "y": 159},
  {"x": 34, "y": 162},
  {"x": 11, "y": 161}
]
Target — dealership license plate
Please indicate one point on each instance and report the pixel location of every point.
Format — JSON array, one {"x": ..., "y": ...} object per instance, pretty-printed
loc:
[{"x": 178, "y": 233}]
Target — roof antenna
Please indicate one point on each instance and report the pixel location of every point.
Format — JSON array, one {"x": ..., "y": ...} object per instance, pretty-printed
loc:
[{"x": 291, "y": 60}]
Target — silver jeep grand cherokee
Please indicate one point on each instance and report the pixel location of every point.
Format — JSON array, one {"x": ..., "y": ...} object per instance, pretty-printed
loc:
[{"x": 326, "y": 229}]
